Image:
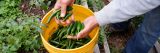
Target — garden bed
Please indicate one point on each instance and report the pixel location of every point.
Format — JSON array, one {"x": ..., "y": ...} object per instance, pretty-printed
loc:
[{"x": 19, "y": 26}]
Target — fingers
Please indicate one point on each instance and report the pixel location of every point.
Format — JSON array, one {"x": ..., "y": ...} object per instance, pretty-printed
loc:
[
  {"x": 57, "y": 21},
  {"x": 80, "y": 35},
  {"x": 57, "y": 5},
  {"x": 63, "y": 10},
  {"x": 72, "y": 18},
  {"x": 90, "y": 23},
  {"x": 64, "y": 5},
  {"x": 60, "y": 22},
  {"x": 72, "y": 2},
  {"x": 71, "y": 37},
  {"x": 69, "y": 21},
  {"x": 66, "y": 23}
]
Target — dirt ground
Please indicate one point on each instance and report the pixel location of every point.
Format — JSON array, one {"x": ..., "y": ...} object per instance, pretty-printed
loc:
[
  {"x": 33, "y": 10},
  {"x": 118, "y": 40}
]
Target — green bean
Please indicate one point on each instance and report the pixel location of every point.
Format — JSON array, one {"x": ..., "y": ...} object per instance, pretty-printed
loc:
[
  {"x": 79, "y": 27},
  {"x": 69, "y": 44},
  {"x": 69, "y": 8},
  {"x": 82, "y": 26},
  {"x": 72, "y": 45},
  {"x": 64, "y": 44},
  {"x": 61, "y": 34},
  {"x": 53, "y": 14},
  {"x": 73, "y": 29},
  {"x": 60, "y": 40},
  {"x": 55, "y": 42},
  {"x": 58, "y": 15},
  {"x": 58, "y": 34},
  {"x": 67, "y": 16}
]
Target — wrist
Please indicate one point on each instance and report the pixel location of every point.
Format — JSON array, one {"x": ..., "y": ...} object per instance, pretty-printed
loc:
[
  {"x": 95, "y": 22},
  {"x": 91, "y": 23}
]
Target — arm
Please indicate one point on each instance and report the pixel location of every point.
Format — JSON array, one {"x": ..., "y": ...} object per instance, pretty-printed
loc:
[
  {"x": 116, "y": 11},
  {"x": 121, "y": 10}
]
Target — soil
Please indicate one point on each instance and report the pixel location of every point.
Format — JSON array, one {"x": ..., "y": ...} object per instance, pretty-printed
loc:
[
  {"x": 118, "y": 40},
  {"x": 33, "y": 10},
  {"x": 41, "y": 50}
]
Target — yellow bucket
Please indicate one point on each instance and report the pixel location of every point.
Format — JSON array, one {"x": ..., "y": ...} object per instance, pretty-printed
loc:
[{"x": 80, "y": 13}]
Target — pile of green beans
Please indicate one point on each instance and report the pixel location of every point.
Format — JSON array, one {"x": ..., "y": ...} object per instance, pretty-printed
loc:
[
  {"x": 57, "y": 13},
  {"x": 59, "y": 37}
]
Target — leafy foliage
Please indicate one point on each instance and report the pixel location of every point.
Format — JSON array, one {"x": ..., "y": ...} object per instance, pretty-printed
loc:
[
  {"x": 137, "y": 20},
  {"x": 95, "y": 5},
  {"x": 101, "y": 35},
  {"x": 44, "y": 4},
  {"x": 77, "y": 2},
  {"x": 17, "y": 30}
]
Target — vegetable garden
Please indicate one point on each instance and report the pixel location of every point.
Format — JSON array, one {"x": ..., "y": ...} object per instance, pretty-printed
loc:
[{"x": 20, "y": 31}]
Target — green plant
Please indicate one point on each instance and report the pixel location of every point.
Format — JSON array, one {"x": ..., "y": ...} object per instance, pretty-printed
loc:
[
  {"x": 44, "y": 4},
  {"x": 18, "y": 31},
  {"x": 137, "y": 20},
  {"x": 101, "y": 36},
  {"x": 115, "y": 50},
  {"x": 77, "y": 2},
  {"x": 95, "y": 5}
]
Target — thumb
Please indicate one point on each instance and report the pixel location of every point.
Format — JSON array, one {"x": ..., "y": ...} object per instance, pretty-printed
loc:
[
  {"x": 63, "y": 9},
  {"x": 57, "y": 5},
  {"x": 83, "y": 33}
]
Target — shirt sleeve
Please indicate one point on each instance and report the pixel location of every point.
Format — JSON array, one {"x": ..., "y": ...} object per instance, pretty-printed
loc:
[{"x": 122, "y": 10}]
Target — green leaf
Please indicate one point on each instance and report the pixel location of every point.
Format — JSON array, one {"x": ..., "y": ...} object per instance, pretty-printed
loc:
[
  {"x": 49, "y": 2},
  {"x": 13, "y": 48},
  {"x": 34, "y": 51}
]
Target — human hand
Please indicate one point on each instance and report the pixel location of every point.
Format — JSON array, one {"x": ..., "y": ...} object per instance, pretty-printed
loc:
[
  {"x": 90, "y": 23},
  {"x": 62, "y": 4}
]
